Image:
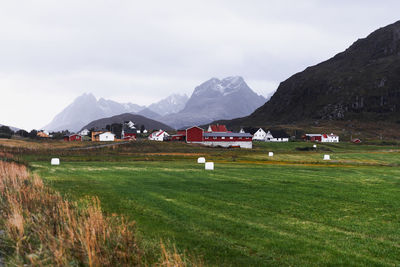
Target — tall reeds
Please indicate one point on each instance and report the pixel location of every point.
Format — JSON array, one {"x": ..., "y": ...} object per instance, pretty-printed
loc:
[{"x": 40, "y": 228}]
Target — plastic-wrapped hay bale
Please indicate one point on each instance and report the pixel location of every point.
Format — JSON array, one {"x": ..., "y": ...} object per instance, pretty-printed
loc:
[
  {"x": 201, "y": 160},
  {"x": 327, "y": 157},
  {"x": 55, "y": 161},
  {"x": 270, "y": 154},
  {"x": 209, "y": 166}
]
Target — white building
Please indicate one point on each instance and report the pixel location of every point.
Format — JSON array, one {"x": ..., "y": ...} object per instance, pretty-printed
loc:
[
  {"x": 324, "y": 138},
  {"x": 330, "y": 138},
  {"x": 84, "y": 132},
  {"x": 106, "y": 137},
  {"x": 276, "y": 137},
  {"x": 160, "y": 135},
  {"x": 260, "y": 135}
]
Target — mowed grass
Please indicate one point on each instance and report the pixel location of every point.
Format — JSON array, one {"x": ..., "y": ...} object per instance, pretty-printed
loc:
[{"x": 250, "y": 214}]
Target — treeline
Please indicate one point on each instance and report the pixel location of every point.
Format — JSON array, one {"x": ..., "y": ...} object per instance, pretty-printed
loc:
[{"x": 7, "y": 132}]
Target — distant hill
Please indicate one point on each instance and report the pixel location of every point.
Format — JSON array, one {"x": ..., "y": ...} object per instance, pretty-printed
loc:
[
  {"x": 360, "y": 84},
  {"x": 217, "y": 99},
  {"x": 12, "y": 128},
  {"x": 137, "y": 119}
]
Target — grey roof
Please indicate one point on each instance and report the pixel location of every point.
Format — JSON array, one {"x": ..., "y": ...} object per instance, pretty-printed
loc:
[
  {"x": 129, "y": 130},
  {"x": 227, "y": 134}
]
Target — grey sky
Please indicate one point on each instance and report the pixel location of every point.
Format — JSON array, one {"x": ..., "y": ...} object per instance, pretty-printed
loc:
[{"x": 141, "y": 51}]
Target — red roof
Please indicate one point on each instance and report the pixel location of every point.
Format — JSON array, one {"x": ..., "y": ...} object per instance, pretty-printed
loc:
[
  {"x": 181, "y": 132},
  {"x": 218, "y": 128},
  {"x": 160, "y": 133}
]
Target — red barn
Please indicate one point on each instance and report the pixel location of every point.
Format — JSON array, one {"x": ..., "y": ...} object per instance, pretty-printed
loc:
[
  {"x": 73, "y": 137},
  {"x": 218, "y": 139},
  {"x": 313, "y": 137},
  {"x": 194, "y": 134}
]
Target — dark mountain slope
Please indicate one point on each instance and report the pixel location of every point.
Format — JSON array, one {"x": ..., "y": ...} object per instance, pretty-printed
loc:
[{"x": 361, "y": 83}]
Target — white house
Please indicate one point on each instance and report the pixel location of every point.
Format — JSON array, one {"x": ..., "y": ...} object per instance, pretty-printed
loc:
[
  {"x": 160, "y": 135},
  {"x": 276, "y": 136},
  {"x": 106, "y": 137},
  {"x": 324, "y": 138},
  {"x": 84, "y": 132},
  {"x": 330, "y": 138},
  {"x": 260, "y": 135}
]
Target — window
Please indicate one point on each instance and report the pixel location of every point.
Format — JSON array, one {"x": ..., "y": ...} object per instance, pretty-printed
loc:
[
  {"x": 214, "y": 137},
  {"x": 223, "y": 137},
  {"x": 231, "y": 137}
]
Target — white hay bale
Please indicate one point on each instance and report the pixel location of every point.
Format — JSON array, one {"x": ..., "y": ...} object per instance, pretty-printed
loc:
[
  {"x": 314, "y": 146},
  {"x": 55, "y": 161},
  {"x": 270, "y": 154},
  {"x": 327, "y": 157},
  {"x": 201, "y": 160},
  {"x": 209, "y": 166}
]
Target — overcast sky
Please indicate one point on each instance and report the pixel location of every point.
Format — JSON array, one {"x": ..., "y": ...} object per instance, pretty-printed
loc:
[{"x": 142, "y": 51}]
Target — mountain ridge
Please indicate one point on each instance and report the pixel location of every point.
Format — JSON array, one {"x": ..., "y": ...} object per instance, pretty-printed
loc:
[
  {"x": 361, "y": 83},
  {"x": 216, "y": 99}
]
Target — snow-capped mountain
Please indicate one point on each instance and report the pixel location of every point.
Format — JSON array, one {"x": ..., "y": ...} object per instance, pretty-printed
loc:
[
  {"x": 215, "y": 100},
  {"x": 87, "y": 108},
  {"x": 212, "y": 100},
  {"x": 172, "y": 104}
]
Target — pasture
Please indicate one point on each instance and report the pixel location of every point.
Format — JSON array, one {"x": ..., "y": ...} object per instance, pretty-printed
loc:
[{"x": 253, "y": 210}]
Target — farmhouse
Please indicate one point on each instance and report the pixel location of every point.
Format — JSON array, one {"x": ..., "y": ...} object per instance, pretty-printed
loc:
[
  {"x": 103, "y": 137},
  {"x": 216, "y": 138},
  {"x": 262, "y": 134},
  {"x": 43, "y": 134},
  {"x": 276, "y": 136},
  {"x": 73, "y": 137},
  {"x": 84, "y": 132},
  {"x": 160, "y": 135},
  {"x": 324, "y": 138}
]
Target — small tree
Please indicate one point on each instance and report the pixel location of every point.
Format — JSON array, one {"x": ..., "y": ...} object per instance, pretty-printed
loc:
[
  {"x": 22, "y": 133},
  {"x": 33, "y": 134},
  {"x": 6, "y": 132}
]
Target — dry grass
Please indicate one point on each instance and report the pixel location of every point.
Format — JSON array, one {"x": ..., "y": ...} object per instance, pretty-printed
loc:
[
  {"x": 40, "y": 228},
  {"x": 41, "y": 144}
]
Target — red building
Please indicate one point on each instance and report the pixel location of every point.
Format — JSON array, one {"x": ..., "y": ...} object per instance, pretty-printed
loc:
[
  {"x": 129, "y": 134},
  {"x": 194, "y": 135},
  {"x": 73, "y": 137},
  {"x": 217, "y": 128},
  {"x": 219, "y": 139}
]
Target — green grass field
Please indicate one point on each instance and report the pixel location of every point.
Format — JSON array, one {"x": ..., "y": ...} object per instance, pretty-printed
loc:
[{"x": 293, "y": 209}]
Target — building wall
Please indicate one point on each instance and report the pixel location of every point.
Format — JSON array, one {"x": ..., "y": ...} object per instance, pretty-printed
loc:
[
  {"x": 106, "y": 137},
  {"x": 127, "y": 136},
  {"x": 260, "y": 135},
  {"x": 75, "y": 138},
  {"x": 194, "y": 134},
  {"x": 278, "y": 140},
  {"x": 242, "y": 144},
  {"x": 227, "y": 139}
]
